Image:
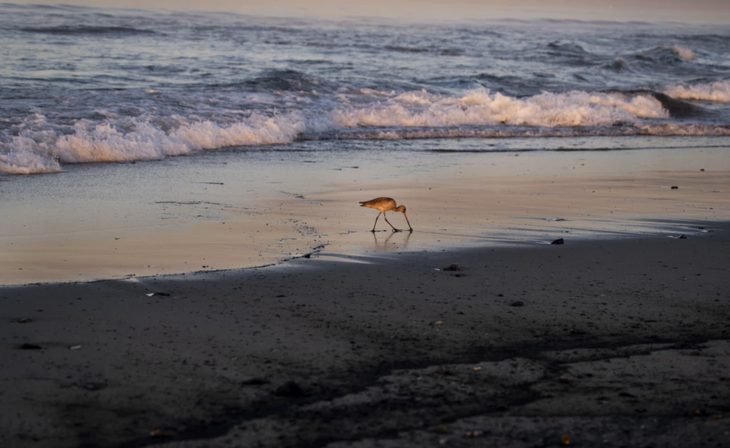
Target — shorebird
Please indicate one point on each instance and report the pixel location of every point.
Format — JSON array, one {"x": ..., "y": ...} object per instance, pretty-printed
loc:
[{"x": 386, "y": 205}]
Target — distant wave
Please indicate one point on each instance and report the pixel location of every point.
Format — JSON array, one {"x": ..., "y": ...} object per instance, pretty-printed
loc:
[
  {"x": 83, "y": 29},
  {"x": 667, "y": 55},
  {"x": 403, "y": 49},
  {"x": 287, "y": 80},
  {"x": 684, "y": 53}
]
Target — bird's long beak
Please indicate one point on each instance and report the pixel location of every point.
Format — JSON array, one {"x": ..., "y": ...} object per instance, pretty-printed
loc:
[{"x": 410, "y": 229}]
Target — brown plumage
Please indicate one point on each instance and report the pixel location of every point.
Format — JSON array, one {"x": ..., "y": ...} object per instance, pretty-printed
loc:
[{"x": 386, "y": 205}]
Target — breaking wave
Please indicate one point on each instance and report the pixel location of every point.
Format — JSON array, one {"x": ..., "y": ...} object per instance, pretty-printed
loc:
[
  {"x": 44, "y": 151},
  {"x": 718, "y": 91},
  {"x": 481, "y": 108},
  {"x": 366, "y": 114}
]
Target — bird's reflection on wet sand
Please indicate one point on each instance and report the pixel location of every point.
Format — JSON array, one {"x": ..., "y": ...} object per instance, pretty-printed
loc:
[{"x": 384, "y": 243}]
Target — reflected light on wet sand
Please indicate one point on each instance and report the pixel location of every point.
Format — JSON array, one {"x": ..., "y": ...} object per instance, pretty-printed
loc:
[{"x": 241, "y": 212}]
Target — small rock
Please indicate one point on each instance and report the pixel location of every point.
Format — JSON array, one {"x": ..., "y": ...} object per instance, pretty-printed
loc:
[
  {"x": 682, "y": 237},
  {"x": 27, "y": 346},
  {"x": 674, "y": 187},
  {"x": 23, "y": 320},
  {"x": 518, "y": 303},
  {"x": 290, "y": 389},
  {"x": 452, "y": 267},
  {"x": 558, "y": 241}
]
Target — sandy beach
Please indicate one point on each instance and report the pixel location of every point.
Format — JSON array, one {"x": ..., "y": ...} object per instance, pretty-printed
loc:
[
  {"x": 609, "y": 343},
  {"x": 184, "y": 260},
  {"x": 618, "y": 337}
]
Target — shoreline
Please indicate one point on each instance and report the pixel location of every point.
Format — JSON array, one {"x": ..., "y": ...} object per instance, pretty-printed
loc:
[
  {"x": 668, "y": 229},
  {"x": 612, "y": 343},
  {"x": 240, "y": 213},
  {"x": 678, "y": 229}
]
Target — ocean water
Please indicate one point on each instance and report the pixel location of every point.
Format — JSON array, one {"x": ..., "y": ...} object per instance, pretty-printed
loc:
[{"x": 87, "y": 85}]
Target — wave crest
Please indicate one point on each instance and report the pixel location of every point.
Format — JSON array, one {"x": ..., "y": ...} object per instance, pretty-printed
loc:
[
  {"x": 481, "y": 108},
  {"x": 42, "y": 147},
  {"x": 718, "y": 91},
  {"x": 41, "y": 151},
  {"x": 684, "y": 53}
]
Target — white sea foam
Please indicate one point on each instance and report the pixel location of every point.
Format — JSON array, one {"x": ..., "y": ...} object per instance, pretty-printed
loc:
[
  {"x": 481, "y": 108},
  {"x": 25, "y": 162},
  {"x": 41, "y": 151},
  {"x": 41, "y": 148},
  {"x": 259, "y": 130},
  {"x": 104, "y": 143},
  {"x": 684, "y": 53},
  {"x": 718, "y": 91}
]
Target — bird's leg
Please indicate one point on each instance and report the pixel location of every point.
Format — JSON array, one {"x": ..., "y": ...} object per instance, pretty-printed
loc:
[
  {"x": 391, "y": 225},
  {"x": 376, "y": 221},
  {"x": 410, "y": 229}
]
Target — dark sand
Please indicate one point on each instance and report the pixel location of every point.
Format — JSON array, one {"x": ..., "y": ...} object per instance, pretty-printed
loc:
[{"x": 611, "y": 342}]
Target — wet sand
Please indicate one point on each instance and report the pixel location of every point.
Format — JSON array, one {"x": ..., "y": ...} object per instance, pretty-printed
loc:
[
  {"x": 618, "y": 337},
  {"x": 231, "y": 210}
]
